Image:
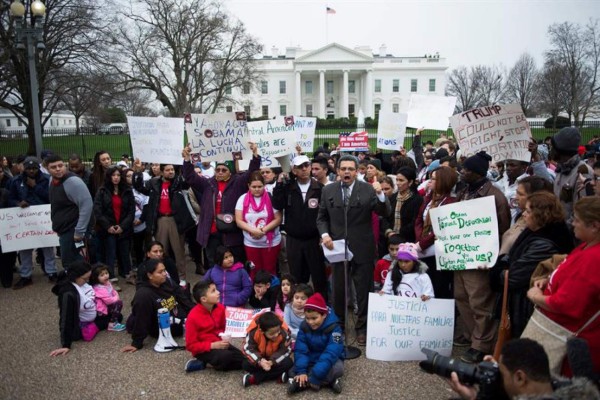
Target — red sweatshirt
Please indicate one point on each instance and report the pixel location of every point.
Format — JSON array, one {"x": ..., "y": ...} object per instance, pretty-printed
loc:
[{"x": 203, "y": 327}]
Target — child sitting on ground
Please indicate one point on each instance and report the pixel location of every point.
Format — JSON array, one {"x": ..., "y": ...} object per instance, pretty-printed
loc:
[
  {"x": 263, "y": 295},
  {"x": 108, "y": 302},
  {"x": 383, "y": 265},
  {"x": 284, "y": 292},
  {"x": 202, "y": 328},
  {"x": 267, "y": 349},
  {"x": 230, "y": 278},
  {"x": 408, "y": 276},
  {"x": 293, "y": 314},
  {"x": 319, "y": 352}
]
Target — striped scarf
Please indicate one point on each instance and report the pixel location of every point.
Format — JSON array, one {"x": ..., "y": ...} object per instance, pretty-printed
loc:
[{"x": 402, "y": 198}]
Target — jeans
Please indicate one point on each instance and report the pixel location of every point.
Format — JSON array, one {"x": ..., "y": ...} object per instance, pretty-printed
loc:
[
  {"x": 112, "y": 248},
  {"x": 27, "y": 261},
  {"x": 68, "y": 252},
  {"x": 336, "y": 371}
]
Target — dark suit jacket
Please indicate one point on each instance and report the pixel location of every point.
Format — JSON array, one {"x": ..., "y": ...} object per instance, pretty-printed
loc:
[{"x": 363, "y": 201}]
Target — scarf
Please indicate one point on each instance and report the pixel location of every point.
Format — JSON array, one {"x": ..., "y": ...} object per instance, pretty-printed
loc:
[
  {"x": 402, "y": 198},
  {"x": 566, "y": 167},
  {"x": 265, "y": 203}
]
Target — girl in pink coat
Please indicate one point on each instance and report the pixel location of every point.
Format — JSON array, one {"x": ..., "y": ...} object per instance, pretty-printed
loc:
[{"x": 107, "y": 298}]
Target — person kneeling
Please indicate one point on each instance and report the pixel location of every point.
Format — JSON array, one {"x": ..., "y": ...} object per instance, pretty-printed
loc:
[
  {"x": 268, "y": 349},
  {"x": 319, "y": 351},
  {"x": 203, "y": 328}
]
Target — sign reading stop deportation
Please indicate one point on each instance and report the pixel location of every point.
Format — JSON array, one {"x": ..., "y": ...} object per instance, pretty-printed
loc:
[
  {"x": 501, "y": 130},
  {"x": 466, "y": 234}
]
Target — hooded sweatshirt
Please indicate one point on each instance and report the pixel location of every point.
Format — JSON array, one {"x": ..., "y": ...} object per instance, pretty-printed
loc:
[
  {"x": 68, "y": 303},
  {"x": 233, "y": 283}
]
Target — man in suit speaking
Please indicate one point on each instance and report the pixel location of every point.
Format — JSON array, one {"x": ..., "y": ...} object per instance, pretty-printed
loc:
[{"x": 353, "y": 201}]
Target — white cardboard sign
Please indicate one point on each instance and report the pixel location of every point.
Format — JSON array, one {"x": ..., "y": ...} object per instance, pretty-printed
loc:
[
  {"x": 391, "y": 130},
  {"x": 273, "y": 137},
  {"x": 157, "y": 139},
  {"x": 238, "y": 319},
  {"x": 305, "y": 132},
  {"x": 218, "y": 137},
  {"x": 26, "y": 228},
  {"x": 431, "y": 112}
]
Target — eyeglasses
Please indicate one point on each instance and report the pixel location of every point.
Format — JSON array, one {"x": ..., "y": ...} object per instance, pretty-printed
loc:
[
  {"x": 304, "y": 165},
  {"x": 221, "y": 170}
]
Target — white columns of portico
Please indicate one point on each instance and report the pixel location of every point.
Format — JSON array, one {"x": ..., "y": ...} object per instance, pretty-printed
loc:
[
  {"x": 298, "y": 99},
  {"x": 321, "y": 93},
  {"x": 344, "y": 110},
  {"x": 368, "y": 110}
]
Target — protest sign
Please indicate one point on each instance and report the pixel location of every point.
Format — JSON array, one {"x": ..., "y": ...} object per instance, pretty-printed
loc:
[
  {"x": 398, "y": 327},
  {"x": 273, "y": 137},
  {"x": 238, "y": 319},
  {"x": 354, "y": 141},
  {"x": 431, "y": 112},
  {"x": 26, "y": 228},
  {"x": 502, "y": 131},
  {"x": 305, "y": 132},
  {"x": 466, "y": 234},
  {"x": 156, "y": 140},
  {"x": 391, "y": 130},
  {"x": 218, "y": 137}
]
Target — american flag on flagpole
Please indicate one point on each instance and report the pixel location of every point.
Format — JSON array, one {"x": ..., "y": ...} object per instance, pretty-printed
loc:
[{"x": 330, "y": 10}]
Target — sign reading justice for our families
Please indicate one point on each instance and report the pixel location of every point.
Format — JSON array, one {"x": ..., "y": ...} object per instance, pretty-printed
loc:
[
  {"x": 398, "y": 327},
  {"x": 466, "y": 234},
  {"x": 501, "y": 130},
  {"x": 217, "y": 137},
  {"x": 26, "y": 228}
]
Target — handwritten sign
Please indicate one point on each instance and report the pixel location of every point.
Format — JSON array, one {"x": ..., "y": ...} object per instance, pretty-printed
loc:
[
  {"x": 157, "y": 140},
  {"x": 502, "y": 131},
  {"x": 273, "y": 137},
  {"x": 466, "y": 234},
  {"x": 238, "y": 319},
  {"x": 431, "y": 112},
  {"x": 218, "y": 137},
  {"x": 391, "y": 130},
  {"x": 305, "y": 132},
  {"x": 354, "y": 141},
  {"x": 398, "y": 327},
  {"x": 26, "y": 228}
]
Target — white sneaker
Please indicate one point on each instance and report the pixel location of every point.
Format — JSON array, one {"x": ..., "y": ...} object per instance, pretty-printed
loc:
[{"x": 183, "y": 283}]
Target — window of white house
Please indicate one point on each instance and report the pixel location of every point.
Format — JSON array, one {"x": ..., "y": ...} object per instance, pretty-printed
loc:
[
  {"x": 396, "y": 85},
  {"x": 395, "y": 107},
  {"x": 377, "y": 109},
  {"x": 282, "y": 110},
  {"x": 246, "y": 88},
  {"x": 265, "y": 111},
  {"x": 308, "y": 87},
  {"x": 282, "y": 87},
  {"x": 351, "y": 110},
  {"x": 229, "y": 108},
  {"x": 377, "y": 85},
  {"x": 413, "y": 85},
  {"x": 228, "y": 89},
  {"x": 351, "y": 86},
  {"x": 8, "y": 123},
  {"x": 432, "y": 85},
  {"x": 309, "y": 110},
  {"x": 264, "y": 87},
  {"x": 247, "y": 111},
  {"x": 329, "y": 87},
  {"x": 20, "y": 123}
]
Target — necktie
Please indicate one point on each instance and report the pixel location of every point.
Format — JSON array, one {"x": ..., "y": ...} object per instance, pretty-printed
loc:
[{"x": 346, "y": 194}]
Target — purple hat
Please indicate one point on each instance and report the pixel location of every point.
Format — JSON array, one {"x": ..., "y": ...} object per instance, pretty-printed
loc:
[{"x": 407, "y": 252}]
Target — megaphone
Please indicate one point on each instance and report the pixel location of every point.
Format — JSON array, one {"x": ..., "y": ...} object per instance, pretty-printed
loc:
[
  {"x": 165, "y": 342},
  {"x": 284, "y": 161}
]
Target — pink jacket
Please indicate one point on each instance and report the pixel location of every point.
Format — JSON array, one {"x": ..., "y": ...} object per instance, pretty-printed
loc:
[{"x": 105, "y": 295}]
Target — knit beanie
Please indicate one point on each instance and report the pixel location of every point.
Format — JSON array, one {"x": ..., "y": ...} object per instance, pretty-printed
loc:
[
  {"x": 316, "y": 303},
  {"x": 77, "y": 269},
  {"x": 228, "y": 164},
  {"x": 478, "y": 163},
  {"x": 407, "y": 251},
  {"x": 567, "y": 140},
  {"x": 376, "y": 163}
]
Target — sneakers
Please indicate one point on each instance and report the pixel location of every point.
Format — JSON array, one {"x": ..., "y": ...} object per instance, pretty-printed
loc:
[
  {"x": 337, "y": 386},
  {"x": 116, "y": 327},
  {"x": 23, "y": 282},
  {"x": 293, "y": 386},
  {"x": 194, "y": 364},
  {"x": 248, "y": 379},
  {"x": 283, "y": 378},
  {"x": 473, "y": 356}
]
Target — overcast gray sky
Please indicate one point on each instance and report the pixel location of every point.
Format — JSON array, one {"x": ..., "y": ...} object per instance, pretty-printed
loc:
[{"x": 466, "y": 32}]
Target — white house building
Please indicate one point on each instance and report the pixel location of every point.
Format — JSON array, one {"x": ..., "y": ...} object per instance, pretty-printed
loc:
[
  {"x": 59, "y": 120},
  {"x": 336, "y": 81}
]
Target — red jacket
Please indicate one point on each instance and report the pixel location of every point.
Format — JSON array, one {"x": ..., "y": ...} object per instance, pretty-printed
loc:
[
  {"x": 426, "y": 239},
  {"x": 203, "y": 327}
]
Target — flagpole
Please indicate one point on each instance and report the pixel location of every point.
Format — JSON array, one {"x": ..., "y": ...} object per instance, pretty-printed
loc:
[{"x": 326, "y": 25}]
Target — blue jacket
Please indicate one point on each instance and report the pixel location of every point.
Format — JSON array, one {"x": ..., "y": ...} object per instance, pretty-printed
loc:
[
  {"x": 317, "y": 351},
  {"x": 234, "y": 284},
  {"x": 34, "y": 196}
]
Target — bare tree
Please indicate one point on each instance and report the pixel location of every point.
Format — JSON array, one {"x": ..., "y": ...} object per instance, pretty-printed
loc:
[
  {"x": 521, "y": 84},
  {"x": 552, "y": 84},
  {"x": 135, "y": 102},
  {"x": 186, "y": 52},
  {"x": 490, "y": 84},
  {"x": 462, "y": 85}
]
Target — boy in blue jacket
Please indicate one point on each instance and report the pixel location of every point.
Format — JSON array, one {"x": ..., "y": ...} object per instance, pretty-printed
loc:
[{"x": 319, "y": 351}]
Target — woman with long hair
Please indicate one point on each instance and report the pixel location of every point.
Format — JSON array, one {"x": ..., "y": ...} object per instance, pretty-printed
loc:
[{"x": 102, "y": 162}]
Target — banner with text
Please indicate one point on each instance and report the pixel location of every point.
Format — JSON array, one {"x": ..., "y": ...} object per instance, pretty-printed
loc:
[
  {"x": 466, "y": 234},
  {"x": 501, "y": 130},
  {"x": 398, "y": 327},
  {"x": 391, "y": 130},
  {"x": 354, "y": 141},
  {"x": 431, "y": 112},
  {"x": 156, "y": 140},
  {"x": 218, "y": 137},
  {"x": 273, "y": 137},
  {"x": 26, "y": 228},
  {"x": 238, "y": 319},
  {"x": 305, "y": 132}
]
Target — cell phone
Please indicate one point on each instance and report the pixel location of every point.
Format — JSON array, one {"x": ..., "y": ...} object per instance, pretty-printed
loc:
[{"x": 79, "y": 244}]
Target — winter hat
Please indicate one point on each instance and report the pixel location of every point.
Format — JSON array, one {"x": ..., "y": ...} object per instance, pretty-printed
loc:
[
  {"x": 441, "y": 153},
  {"x": 77, "y": 269},
  {"x": 316, "y": 303},
  {"x": 407, "y": 251},
  {"x": 376, "y": 163},
  {"x": 435, "y": 164},
  {"x": 478, "y": 163},
  {"x": 31, "y": 162},
  {"x": 567, "y": 140},
  {"x": 228, "y": 164},
  {"x": 407, "y": 172}
]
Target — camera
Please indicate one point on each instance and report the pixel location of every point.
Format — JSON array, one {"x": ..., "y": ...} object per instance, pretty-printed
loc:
[{"x": 485, "y": 374}]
